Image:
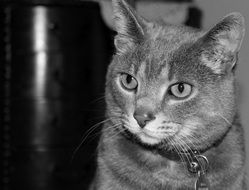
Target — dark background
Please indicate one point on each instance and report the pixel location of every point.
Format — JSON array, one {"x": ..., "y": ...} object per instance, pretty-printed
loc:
[{"x": 52, "y": 92}]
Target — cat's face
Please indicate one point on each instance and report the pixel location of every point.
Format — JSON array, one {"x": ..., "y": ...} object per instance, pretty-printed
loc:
[{"x": 171, "y": 86}]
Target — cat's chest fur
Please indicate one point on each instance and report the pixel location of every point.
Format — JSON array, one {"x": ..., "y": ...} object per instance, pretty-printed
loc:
[{"x": 170, "y": 91}]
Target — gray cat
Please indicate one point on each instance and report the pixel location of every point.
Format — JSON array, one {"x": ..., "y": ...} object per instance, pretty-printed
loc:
[{"x": 172, "y": 120}]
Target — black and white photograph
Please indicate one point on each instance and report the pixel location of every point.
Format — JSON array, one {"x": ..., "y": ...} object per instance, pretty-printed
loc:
[{"x": 124, "y": 94}]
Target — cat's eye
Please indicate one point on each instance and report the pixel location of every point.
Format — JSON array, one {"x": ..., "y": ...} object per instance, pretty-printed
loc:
[
  {"x": 180, "y": 90},
  {"x": 128, "y": 82}
]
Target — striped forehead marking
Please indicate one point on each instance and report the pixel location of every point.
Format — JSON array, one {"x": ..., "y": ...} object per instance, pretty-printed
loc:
[
  {"x": 141, "y": 69},
  {"x": 164, "y": 73},
  {"x": 164, "y": 81},
  {"x": 152, "y": 68},
  {"x": 153, "y": 72},
  {"x": 158, "y": 84}
]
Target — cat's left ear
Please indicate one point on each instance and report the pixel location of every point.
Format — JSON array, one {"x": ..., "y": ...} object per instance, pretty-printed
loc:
[
  {"x": 129, "y": 26},
  {"x": 220, "y": 46}
]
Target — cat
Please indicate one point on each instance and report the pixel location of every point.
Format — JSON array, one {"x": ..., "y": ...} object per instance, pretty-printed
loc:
[{"x": 171, "y": 96}]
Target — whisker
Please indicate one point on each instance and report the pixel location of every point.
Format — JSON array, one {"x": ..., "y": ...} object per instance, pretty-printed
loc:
[
  {"x": 188, "y": 146},
  {"x": 86, "y": 134},
  {"x": 194, "y": 153},
  {"x": 106, "y": 128},
  {"x": 184, "y": 149},
  {"x": 178, "y": 152},
  {"x": 116, "y": 133},
  {"x": 195, "y": 138},
  {"x": 98, "y": 99},
  {"x": 228, "y": 122},
  {"x": 191, "y": 151}
]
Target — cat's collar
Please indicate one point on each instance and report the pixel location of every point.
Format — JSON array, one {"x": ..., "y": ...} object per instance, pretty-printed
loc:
[{"x": 180, "y": 155}]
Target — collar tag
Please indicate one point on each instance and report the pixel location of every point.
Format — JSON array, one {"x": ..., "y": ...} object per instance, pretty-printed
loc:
[
  {"x": 199, "y": 165},
  {"x": 202, "y": 182}
]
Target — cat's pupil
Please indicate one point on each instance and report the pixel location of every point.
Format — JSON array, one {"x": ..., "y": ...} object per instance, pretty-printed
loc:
[
  {"x": 181, "y": 87},
  {"x": 128, "y": 79}
]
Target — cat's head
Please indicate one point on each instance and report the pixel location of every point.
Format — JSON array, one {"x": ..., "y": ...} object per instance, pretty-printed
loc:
[{"x": 172, "y": 85}]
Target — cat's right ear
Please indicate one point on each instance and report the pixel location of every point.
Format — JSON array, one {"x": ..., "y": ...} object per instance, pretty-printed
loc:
[{"x": 129, "y": 26}]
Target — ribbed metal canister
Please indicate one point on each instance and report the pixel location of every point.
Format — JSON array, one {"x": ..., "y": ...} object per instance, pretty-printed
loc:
[{"x": 53, "y": 61}]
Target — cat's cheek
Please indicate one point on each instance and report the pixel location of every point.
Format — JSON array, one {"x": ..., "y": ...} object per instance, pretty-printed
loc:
[{"x": 190, "y": 126}]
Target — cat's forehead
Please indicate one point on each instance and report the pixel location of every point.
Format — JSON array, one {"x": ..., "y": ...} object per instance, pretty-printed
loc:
[{"x": 158, "y": 57}]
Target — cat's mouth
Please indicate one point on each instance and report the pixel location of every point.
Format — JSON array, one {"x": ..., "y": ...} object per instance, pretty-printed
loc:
[
  {"x": 154, "y": 132},
  {"x": 148, "y": 137}
]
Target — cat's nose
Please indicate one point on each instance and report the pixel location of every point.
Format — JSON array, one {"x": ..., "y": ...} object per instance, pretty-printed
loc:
[{"x": 143, "y": 117}]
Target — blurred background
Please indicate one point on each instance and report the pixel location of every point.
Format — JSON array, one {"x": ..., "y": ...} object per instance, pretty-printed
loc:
[{"x": 53, "y": 59}]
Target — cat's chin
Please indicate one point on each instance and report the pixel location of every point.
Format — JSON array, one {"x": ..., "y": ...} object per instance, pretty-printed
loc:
[
  {"x": 150, "y": 140},
  {"x": 145, "y": 136},
  {"x": 144, "y": 140}
]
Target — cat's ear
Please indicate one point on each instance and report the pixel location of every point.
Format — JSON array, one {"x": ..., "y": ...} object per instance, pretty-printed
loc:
[
  {"x": 129, "y": 26},
  {"x": 221, "y": 44}
]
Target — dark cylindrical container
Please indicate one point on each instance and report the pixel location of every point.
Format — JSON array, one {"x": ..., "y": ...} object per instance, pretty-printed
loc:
[{"x": 53, "y": 62}]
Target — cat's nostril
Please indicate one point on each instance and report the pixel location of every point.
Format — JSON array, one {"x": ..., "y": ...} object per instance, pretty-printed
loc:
[{"x": 143, "y": 118}]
